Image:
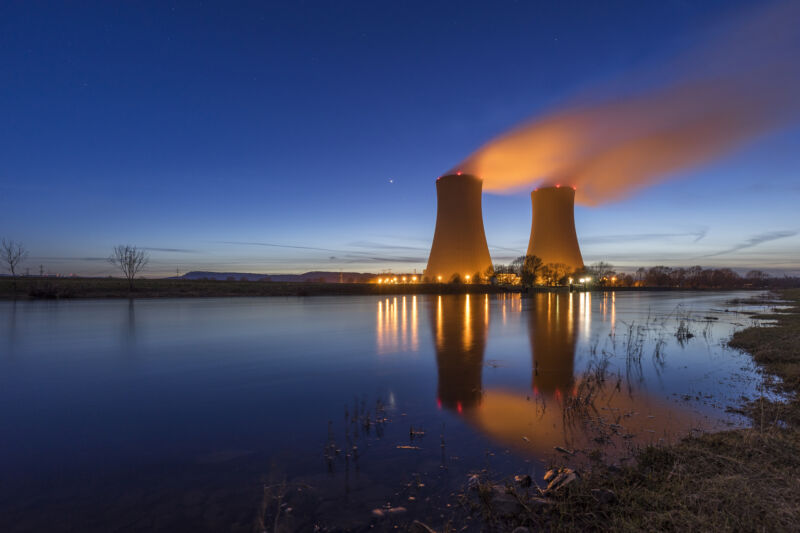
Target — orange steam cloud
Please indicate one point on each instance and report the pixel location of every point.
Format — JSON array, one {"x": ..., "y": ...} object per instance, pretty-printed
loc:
[{"x": 742, "y": 84}]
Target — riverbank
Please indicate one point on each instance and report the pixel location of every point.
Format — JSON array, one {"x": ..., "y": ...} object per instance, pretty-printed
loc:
[
  {"x": 739, "y": 480},
  {"x": 64, "y": 288},
  {"x": 80, "y": 288}
]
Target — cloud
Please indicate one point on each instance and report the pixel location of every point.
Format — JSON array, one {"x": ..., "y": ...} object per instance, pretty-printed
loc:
[
  {"x": 351, "y": 258},
  {"x": 382, "y": 246},
  {"x": 171, "y": 250},
  {"x": 755, "y": 240},
  {"x": 60, "y": 259},
  {"x": 516, "y": 250},
  {"x": 607, "y": 239},
  {"x": 275, "y": 245}
]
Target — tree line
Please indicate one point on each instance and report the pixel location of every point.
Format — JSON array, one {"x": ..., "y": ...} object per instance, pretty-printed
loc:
[{"x": 530, "y": 271}]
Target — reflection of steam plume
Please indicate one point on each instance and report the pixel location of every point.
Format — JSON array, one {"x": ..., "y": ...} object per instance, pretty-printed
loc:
[
  {"x": 459, "y": 324},
  {"x": 552, "y": 326},
  {"x": 742, "y": 84}
]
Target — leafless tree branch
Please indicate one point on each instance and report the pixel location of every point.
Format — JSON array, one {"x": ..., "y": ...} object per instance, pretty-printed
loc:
[
  {"x": 13, "y": 253},
  {"x": 130, "y": 260}
]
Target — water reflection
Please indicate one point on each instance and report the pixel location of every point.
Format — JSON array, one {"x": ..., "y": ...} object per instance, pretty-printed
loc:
[
  {"x": 579, "y": 411},
  {"x": 128, "y": 336},
  {"x": 460, "y": 325},
  {"x": 552, "y": 321},
  {"x": 397, "y": 328},
  {"x": 110, "y": 435},
  {"x": 11, "y": 334}
]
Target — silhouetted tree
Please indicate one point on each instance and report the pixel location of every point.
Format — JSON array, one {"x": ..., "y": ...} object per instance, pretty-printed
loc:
[
  {"x": 502, "y": 269},
  {"x": 725, "y": 278},
  {"x": 641, "y": 274},
  {"x": 130, "y": 260},
  {"x": 13, "y": 253},
  {"x": 527, "y": 267},
  {"x": 488, "y": 274},
  {"x": 658, "y": 276},
  {"x": 601, "y": 272},
  {"x": 757, "y": 278}
]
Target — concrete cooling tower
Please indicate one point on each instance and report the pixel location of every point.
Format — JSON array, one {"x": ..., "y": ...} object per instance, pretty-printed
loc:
[
  {"x": 553, "y": 238},
  {"x": 459, "y": 242}
]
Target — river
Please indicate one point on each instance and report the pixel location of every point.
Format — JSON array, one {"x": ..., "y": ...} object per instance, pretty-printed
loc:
[{"x": 219, "y": 413}]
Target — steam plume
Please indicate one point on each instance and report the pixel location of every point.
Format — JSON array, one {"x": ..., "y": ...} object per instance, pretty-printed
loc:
[{"x": 743, "y": 83}]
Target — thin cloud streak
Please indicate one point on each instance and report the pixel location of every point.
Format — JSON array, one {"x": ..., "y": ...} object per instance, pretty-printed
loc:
[
  {"x": 171, "y": 250},
  {"x": 382, "y": 259},
  {"x": 381, "y": 246},
  {"x": 755, "y": 240},
  {"x": 609, "y": 239},
  {"x": 274, "y": 245}
]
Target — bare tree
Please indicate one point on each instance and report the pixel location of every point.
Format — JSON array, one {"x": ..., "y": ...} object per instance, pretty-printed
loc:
[
  {"x": 13, "y": 253},
  {"x": 130, "y": 260}
]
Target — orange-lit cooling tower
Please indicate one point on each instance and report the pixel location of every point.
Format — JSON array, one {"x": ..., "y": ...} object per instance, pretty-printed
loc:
[
  {"x": 553, "y": 237},
  {"x": 459, "y": 242}
]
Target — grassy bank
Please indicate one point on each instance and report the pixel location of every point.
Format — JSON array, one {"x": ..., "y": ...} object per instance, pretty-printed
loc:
[
  {"x": 739, "y": 480},
  {"x": 59, "y": 288}
]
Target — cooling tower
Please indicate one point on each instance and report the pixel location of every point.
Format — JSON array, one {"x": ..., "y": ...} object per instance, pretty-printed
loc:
[
  {"x": 459, "y": 242},
  {"x": 553, "y": 237}
]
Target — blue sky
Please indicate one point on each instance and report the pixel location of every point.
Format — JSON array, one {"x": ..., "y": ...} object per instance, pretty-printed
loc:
[{"x": 289, "y": 136}]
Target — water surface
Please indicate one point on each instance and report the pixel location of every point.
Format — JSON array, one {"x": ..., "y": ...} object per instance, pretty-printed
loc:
[{"x": 194, "y": 414}]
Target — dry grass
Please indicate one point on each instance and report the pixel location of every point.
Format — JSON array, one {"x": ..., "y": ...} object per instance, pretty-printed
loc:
[{"x": 744, "y": 480}]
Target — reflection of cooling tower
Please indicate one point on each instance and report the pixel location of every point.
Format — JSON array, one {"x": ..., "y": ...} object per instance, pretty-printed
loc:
[
  {"x": 553, "y": 237},
  {"x": 552, "y": 326},
  {"x": 460, "y": 325},
  {"x": 459, "y": 242}
]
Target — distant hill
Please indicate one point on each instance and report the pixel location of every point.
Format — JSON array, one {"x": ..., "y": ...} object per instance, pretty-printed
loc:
[{"x": 316, "y": 276}]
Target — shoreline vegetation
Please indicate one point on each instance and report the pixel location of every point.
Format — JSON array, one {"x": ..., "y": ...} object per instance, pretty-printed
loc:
[
  {"x": 82, "y": 288},
  {"x": 738, "y": 480},
  {"x": 56, "y": 288}
]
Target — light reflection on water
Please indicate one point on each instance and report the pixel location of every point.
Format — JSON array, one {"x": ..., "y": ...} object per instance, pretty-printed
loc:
[
  {"x": 558, "y": 408},
  {"x": 393, "y": 332},
  {"x": 129, "y": 394}
]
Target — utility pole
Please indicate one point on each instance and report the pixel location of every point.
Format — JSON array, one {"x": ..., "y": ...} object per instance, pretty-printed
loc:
[{"x": 41, "y": 271}]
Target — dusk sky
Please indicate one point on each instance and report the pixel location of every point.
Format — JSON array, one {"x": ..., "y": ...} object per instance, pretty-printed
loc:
[{"x": 293, "y": 136}]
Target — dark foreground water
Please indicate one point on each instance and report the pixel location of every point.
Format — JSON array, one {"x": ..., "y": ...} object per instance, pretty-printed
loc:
[{"x": 221, "y": 414}]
